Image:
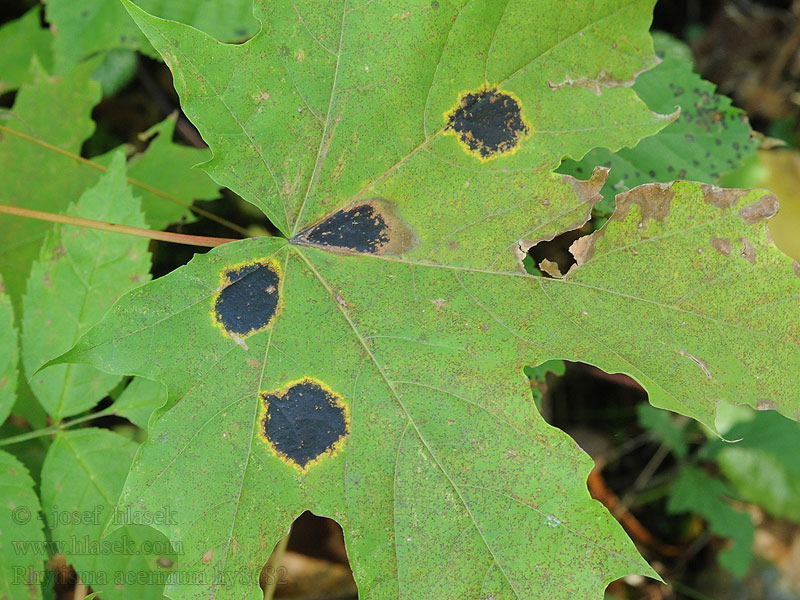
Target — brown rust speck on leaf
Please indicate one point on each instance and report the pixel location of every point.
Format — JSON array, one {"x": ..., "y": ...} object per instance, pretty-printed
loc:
[
  {"x": 748, "y": 251},
  {"x": 765, "y": 208},
  {"x": 796, "y": 267},
  {"x": 721, "y": 198},
  {"x": 765, "y": 404},
  {"x": 722, "y": 245},
  {"x": 653, "y": 200}
]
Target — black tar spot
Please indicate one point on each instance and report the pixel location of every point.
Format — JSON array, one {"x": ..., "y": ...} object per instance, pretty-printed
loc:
[
  {"x": 303, "y": 422},
  {"x": 361, "y": 229},
  {"x": 250, "y": 300},
  {"x": 488, "y": 122}
]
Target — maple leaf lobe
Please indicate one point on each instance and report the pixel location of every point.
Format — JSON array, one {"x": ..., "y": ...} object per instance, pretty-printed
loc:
[
  {"x": 488, "y": 122},
  {"x": 304, "y": 422},
  {"x": 248, "y": 299}
]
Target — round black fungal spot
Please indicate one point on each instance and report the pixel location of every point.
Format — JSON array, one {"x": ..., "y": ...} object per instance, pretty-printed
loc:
[
  {"x": 488, "y": 122},
  {"x": 304, "y": 422},
  {"x": 249, "y": 298}
]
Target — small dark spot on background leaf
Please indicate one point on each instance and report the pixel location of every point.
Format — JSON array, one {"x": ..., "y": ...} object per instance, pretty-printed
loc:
[
  {"x": 304, "y": 422},
  {"x": 488, "y": 122}
]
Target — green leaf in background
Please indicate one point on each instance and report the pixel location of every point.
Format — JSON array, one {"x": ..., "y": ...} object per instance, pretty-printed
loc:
[
  {"x": 116, "y": 70},
  {"x": 168, "y": 167},
  {"x": 81, "y": 480},
  {"x": 22, "y": 551},
  {"x": 139, "y": 399},
  {"x": 9, "y": 355},
  {"x": 37, "y": 178},
  {"x": 41, "y": 178},
  {"x": 79, "y": 274},
  {"x": 694, "y": 491},
  {"x": 21, "y": 40},
  {"x": 330, "y": 104},
  {"x": 663, "y": 425},
  {"x": 764, "y": 467},
  {"x": 708, "y": 139},
  {"x": 90, "y": 27}
]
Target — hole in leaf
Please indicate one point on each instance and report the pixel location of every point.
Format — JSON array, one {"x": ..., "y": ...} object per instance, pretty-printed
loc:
[
  {"x": 313, "y": 564},
  {"x": 552, "y": 258},
  {"x": 488, "y": 122},
  {"x": 304, "y": 422}
]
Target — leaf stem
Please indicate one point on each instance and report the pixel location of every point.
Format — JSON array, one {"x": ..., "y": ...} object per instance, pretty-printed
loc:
[
  {"x": 199, "y": 211},
  {"x": 164, "y": 236},
  {"x": 24, "y": 437}
]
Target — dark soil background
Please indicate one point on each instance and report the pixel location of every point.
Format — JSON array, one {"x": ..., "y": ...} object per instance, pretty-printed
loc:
[{"x": 750, "y": 50}]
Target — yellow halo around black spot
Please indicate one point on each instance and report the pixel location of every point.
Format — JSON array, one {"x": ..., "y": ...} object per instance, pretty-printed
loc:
[
  {"x": 488, "y": 122},
  {"x": 248, "y": 299},
  {"x": 304, "y": 422}
]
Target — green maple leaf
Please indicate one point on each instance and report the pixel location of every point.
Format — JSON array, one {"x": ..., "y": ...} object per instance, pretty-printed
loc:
[{"x": 370, "y": 365}]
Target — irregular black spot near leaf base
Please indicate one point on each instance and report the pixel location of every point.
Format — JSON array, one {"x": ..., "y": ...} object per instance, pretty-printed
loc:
[
  {"x": 304, "y": 422},
  {"x": 361, "y": 228},
  {"x": 371, "y": 227},
  {"x": 249, "y": 298},
  {"x": 488, "y": 122}
]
